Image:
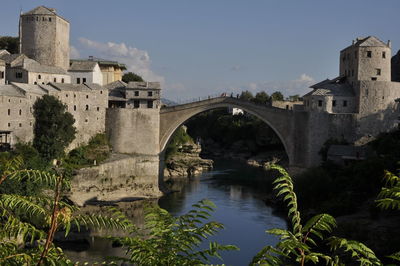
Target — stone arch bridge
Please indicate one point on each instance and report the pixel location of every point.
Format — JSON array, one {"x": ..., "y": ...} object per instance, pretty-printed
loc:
[{"x": 287, "y": 124}]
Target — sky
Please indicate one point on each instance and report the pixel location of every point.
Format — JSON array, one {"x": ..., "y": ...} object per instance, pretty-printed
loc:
[{"x": 207, "y": 47}]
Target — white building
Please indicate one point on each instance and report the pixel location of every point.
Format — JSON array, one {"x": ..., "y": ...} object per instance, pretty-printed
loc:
[{"x": 85, "y": 72}]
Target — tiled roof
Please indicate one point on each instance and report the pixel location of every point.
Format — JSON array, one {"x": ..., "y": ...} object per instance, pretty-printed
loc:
[
  {"x": 10, "y": 58},
  {"x": 84, "y": 66},
  {"x": 30, "y": 88},
  {"x": 334, "y": 87},
  {"x": 3, "y": 52},
  {"x": 101, "y": 62},
  {"x": 69, "y": 87},
  {"x": 370, "y": 41},
  {"x": 33, "y": 66},
  {"x": 143, "y": 85},
  {"x": 115, "y": 85},
  {"x": 10, "y": 90}
]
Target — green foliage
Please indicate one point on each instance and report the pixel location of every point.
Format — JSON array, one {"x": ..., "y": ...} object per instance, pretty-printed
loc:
[
  {"x": 389, "y": 197},
  {"x": 179, "y": 137},
  {"x": 261, "y": 98},
  {"x": 26, "y": 221},
  {"x": 98, "y": 149},
  {"x": 130, "y": 76},
  {"x": 294, "y": 98},
  {"x": 246, "y": 95},
  {"x": 277, "y": 96},
  {"x": 11, "y": 44},
  {"x": 54, "y": 129},
  {"x": 302, "y": 244},
  {"x": 168, "y": 240}
]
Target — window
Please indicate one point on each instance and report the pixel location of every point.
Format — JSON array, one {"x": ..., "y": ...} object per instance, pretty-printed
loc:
[
  {"x": 50, "y": 19},
  {"x": 66, "y": 95},
  {"x": 20, "y": 112},
  {"x": 1, "y": 74},
  {"x": 344, "y": 103},
  {"x": 352, "y": 72},
  {"x": 149, "y": 104},
  {"x": 74, "y": 107},
  {"x": 136, "y": 93},
  {"x": 378, "y": 71},
  {"x": 87, "y": 107},
  {"x": 374, "y": 78},
  {"x": 334, "y": 103},
  {"x": 98, "y": 109},
  {"x": 83, "y": 80},
  {"x": 136, "y": 104},
  {"x": 55, "y": 79},
  {"x": 44, "y": 19},
  {"x": 344, "y": 58},
  {"x": 87, "y": 96},
  {"x": 18, "y": 75},
  {"x": 320, "y": 103},
  {"x": 37, "y": 18},
  {"x": 101, "y": 92},
  {"x": 20, "y": 125},
  {"x": 62, "y": 80},
  {"x": 149, "y": 93},
  {"x": 9, "y": 124},
  {"x": 78, "y": 80},
  {"x": 74, "y": 95},
  {"x": 383, "y": 54},
  {"x": 35, "y": 83},
  {"x": 369, "y": 54},
  {"x": 9, "y": 111},
  {"x": 355, "y": 54}
]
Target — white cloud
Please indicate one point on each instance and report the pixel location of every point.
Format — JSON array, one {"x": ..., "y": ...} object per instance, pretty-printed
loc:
[
  {"x": 73, "y": 52},
  {"x": 289, "y": 87},
  {"x": 136, "y": 60}
]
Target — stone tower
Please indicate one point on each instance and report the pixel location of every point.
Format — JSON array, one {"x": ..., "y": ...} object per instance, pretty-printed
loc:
[
  {"x": 44, "y": 37},
  {"x": 366, "y": 59}
]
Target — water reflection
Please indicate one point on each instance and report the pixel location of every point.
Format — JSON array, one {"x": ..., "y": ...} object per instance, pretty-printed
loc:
[{"x": 238, "y": 191}]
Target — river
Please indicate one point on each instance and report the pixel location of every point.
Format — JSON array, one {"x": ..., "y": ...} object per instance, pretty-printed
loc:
[{"x": 239, "y": 191}]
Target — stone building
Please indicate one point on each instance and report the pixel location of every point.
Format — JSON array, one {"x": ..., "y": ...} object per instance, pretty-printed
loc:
[
  {"x": 359, "y": 103},
  {"x": 2, "y": 72},
  {"x": 134, "y": 95},
  {"x": 85, "y": 72},
  {"x": 44, "y": 37},
  {"x": 111, "y": 70},
  {"x": 86, "y": 102}
]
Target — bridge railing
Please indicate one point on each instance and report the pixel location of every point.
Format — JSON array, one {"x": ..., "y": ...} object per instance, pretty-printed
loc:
[{"x": 203, "y": 98}]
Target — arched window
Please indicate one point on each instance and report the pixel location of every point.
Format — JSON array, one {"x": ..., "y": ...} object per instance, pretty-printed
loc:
[{"x": 87, "y": 107}]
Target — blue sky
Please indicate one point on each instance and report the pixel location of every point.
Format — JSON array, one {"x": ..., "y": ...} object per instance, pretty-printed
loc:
[{"x": 199, "y": 48}]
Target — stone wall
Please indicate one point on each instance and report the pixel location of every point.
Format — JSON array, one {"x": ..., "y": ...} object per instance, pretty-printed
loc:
[
  {"x": 123, "y": 177},
  {"x": 134, "y": 131}
]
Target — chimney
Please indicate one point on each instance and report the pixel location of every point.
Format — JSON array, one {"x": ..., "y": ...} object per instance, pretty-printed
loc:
[
  {"x": 353, "y": 42},
  {"x": 389, "y": 43}
]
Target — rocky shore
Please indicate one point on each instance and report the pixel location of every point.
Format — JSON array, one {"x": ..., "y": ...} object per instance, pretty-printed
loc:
[{"x": 186, "y": 162}]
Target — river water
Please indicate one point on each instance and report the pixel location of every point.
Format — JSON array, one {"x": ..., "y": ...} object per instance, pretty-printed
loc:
[{"x": 239, "y": 191}]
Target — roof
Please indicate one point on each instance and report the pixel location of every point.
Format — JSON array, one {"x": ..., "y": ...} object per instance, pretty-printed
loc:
[
  {"x": 334, "y": 87},
  {"x": 82, "y": 66},
  {"x": 10, "y": 90},
  {"x": 10, "y": 58},
  {"x": 3, "y": 51},
  {"x": 75, "y": 87},
  {"x": 370, "y": 41},
  {"x": 33, "y": 66},
  {"x": 30, "y": 88},
  {"x": 143, "y": 85},
  {"x": 41, "y": 10},
  {"x": 101, "y": 62},
  {"x": 115, "y": 85}
]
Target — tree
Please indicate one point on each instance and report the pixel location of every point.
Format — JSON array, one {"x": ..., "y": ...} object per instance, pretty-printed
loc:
[
  {"x": 294, "y": 98},
  {"x": 54, "y": 127},
  {"x": 261, "y": 98},
  {"x": 11, "y": 44},
  {"x": 277, "y": 96},
  {"x": 130, "y": 76},
  {"x": 246, "y": 95}
]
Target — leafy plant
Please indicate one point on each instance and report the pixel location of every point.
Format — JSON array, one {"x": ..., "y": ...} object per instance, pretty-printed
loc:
[
  {"x": 28, "y": 223},
  {"x": 301, "y": 243},
  {"x": 168, "y": 240},
  {"x": 389, "y": 198}
]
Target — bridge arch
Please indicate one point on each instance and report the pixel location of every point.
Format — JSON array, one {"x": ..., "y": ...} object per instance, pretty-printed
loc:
[{"x": 280, "y": 120}]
